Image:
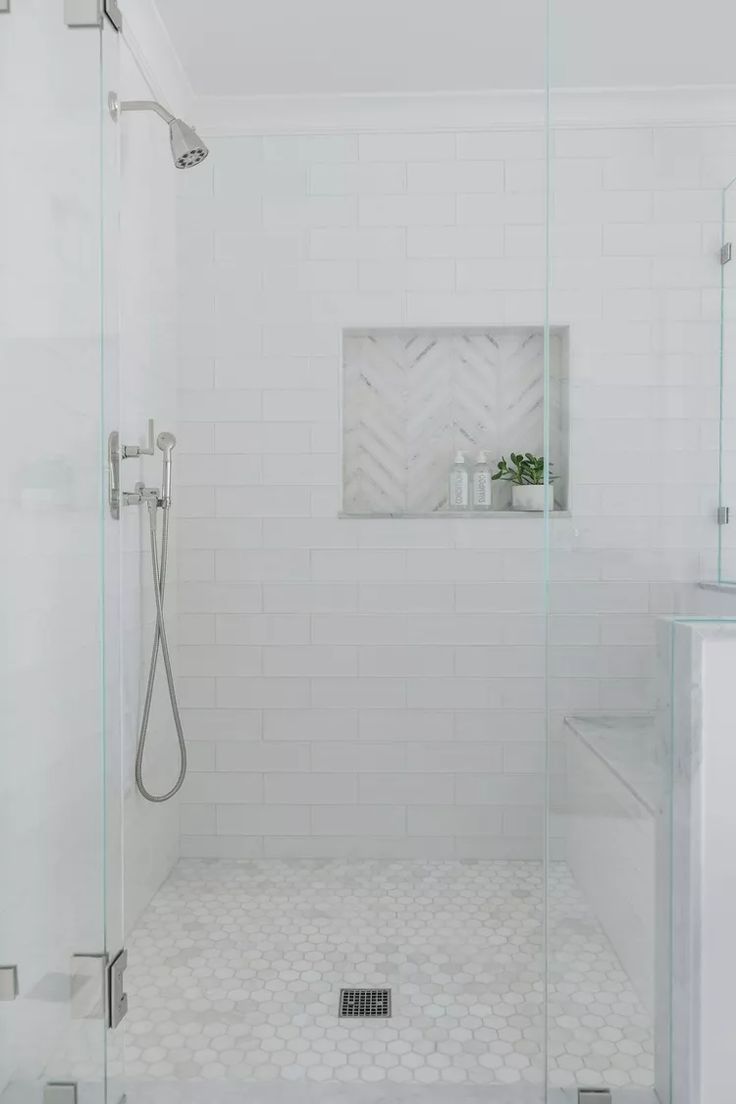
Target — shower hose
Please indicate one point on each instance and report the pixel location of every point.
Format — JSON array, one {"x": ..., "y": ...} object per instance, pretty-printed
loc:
[{"x": 159, "y": 640}]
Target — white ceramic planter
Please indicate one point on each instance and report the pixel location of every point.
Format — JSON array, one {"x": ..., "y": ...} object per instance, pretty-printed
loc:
[{"x": 531, "y": 498}]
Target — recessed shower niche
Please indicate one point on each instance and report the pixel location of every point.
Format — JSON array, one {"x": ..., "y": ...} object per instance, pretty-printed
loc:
[{"x": 412, "y": 398}]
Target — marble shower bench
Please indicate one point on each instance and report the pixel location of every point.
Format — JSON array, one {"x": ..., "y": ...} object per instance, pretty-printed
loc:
[{"x": 614, "y": 791}]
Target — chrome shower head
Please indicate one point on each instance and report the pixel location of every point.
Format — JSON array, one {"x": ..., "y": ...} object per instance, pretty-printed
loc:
[
  {"x": 187, "y": 148},
  {"x": 166, "y": 442}
]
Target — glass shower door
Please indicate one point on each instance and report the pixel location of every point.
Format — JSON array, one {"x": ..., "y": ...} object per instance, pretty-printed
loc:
[
  {"x": 52, "y": 936},
  {"x": 727, "y": 438},
  {"x": 633, "y": 275}
]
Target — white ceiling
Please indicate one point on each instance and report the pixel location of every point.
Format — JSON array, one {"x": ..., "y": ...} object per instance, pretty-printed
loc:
[{"x": 287, "y": 47}]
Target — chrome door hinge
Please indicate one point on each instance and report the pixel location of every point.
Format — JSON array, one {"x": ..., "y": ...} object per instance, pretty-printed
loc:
[
  {"x": 60, "y": 1092},
  {"x": 117, "y": 998},
  {"x": 89, "y": 13},
  {"x": 594, "y": 1096},
  {"x": 4, "y": 6},
  {"x": 724, "y": 515},
  {"x": 8, "y": 983},
  {"x": 726, "y": 252},
  {"x": 88, "y": 974},
  {"x": 114, "y": 14}
]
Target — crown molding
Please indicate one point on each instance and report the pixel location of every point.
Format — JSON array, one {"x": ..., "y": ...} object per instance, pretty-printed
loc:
[
  {"x": 506, "y": 110},
  {"x": 148, "y": 40}
]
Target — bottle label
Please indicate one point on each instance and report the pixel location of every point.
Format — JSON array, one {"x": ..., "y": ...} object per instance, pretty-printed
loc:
[
  {"x": 459, "y": 489},
  {"x": 482, "y": 489}
]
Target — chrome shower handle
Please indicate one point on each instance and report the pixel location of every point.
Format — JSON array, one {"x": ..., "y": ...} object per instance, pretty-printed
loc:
[{"x": 129, "y": 451}]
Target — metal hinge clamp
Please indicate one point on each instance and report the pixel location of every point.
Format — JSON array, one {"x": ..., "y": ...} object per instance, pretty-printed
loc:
[
  {"x": 8, "y": 983},
  {"x": 117, "y": 998},
  {"x": 89, "y": 13},
  {"x": 60, "y": 1092},
  {"x": 724, "y": 515},
  {"x": 726, "y": 252}
]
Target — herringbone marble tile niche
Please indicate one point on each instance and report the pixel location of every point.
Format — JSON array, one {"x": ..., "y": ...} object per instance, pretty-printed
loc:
[{"x": 413, "y": 398}]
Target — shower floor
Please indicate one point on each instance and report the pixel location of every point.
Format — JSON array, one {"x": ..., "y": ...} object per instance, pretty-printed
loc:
[{"x": 236, "y": 967}]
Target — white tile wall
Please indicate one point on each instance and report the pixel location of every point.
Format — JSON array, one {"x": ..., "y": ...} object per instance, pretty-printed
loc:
[
  {"x": 396, "y": 668},
  {"x": 142, "y": 254}
]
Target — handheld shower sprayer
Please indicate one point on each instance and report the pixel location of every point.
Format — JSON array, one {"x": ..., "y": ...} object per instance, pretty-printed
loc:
[
  {"x": 150, "y": 497},
  {"x": 166, "y": 442}
]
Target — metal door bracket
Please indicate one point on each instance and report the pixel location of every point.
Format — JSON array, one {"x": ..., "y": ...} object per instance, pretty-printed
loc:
[
  {"x": 89, "y": 13},
  {"x": 594, "y": 1096},
  {"x": 60, "y": 1092},
  {"x": 726, "y": 252},
  {"x": 114, "y": 456},
  {"x": 4, "y": 6},
  {"x": 117, "y": 998},
  {"x": 88, "y": 974},
  {"x": 724, "y": 515},
  {"x": 8, "y": 983},
  {"x": 114, "y": 14}
]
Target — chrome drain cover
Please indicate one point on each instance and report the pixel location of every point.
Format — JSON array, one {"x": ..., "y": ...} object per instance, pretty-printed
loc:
[{"x": 365, "y": 1002}]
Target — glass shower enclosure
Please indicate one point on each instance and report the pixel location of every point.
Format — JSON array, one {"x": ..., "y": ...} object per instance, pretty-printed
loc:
[
  {"x": 609, "y": 267},
  {"x": 52, "y": 695}
]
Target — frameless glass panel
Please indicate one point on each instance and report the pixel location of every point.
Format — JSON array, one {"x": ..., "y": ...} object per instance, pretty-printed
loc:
[
  {"x": 51, "y": 760},
  {"x": 367, "y": 740},
  {"x": 727, "y": 436},
  {"x": 636, "y": 179}
]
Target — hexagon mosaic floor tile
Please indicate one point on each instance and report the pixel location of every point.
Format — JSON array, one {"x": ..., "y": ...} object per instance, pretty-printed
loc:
[{"x": 236, "y": 969}]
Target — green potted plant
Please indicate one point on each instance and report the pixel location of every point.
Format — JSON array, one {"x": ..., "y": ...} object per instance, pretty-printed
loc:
[{"x": 525, "y": 473}]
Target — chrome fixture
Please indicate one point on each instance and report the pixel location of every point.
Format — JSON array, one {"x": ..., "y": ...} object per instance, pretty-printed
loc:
[
  {"x": 153, "y": 499},
  {"x": 129, "y": 451},
  {"x": 166, "y": 442},
  {"x": 88, "y": 976},
  {"x": 115, "y": 454},
  {"x": 4, "y": 6},
  {"x": 98, "y": 987},
  {"x": 187, "y": 148},
  {"x": 117, "y": 997},
  {"x": 89, "y": 13},
  {"x": 8, "y": 983},
  {"x": 60, "y": 1092}
]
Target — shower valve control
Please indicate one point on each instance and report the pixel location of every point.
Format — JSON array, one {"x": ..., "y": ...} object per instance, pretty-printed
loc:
[{"x": 116, "y": 453}]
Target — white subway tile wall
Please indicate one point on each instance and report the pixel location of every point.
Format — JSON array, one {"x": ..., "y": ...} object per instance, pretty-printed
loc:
[{"x": 377, "y": 687}]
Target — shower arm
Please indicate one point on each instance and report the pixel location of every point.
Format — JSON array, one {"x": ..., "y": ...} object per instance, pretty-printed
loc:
[{"x": 147, "y": 105}]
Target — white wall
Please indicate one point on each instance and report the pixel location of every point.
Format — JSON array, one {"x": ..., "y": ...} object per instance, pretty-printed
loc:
[{"x": 376, "y": 687}]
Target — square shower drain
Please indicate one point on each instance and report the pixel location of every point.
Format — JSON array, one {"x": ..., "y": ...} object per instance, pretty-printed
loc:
[{"x": 365, "y": 1002}]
